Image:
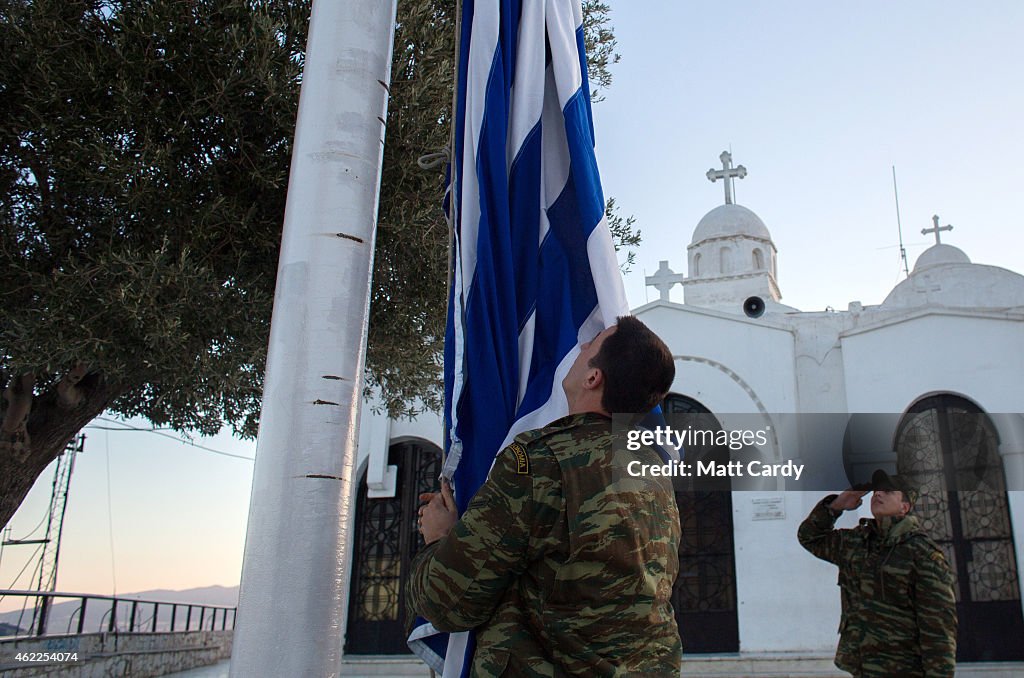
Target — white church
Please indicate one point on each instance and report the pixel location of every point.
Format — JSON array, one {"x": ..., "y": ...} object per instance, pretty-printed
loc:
[{"x": 941, "y": 364}]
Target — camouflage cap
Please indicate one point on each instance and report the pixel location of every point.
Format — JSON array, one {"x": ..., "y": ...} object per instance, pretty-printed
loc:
[{"x": 880, "y": 480}]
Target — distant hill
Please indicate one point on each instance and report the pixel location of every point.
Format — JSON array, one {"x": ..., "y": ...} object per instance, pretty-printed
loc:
[
  {"x": 209, "y": 595},
  {"x": 9, "y": 630},
  {"x": 63, "y": 616}
]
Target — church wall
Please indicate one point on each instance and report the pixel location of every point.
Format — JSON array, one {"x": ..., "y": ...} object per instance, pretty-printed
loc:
[
  {"x": 787, "y": 599},
  {"x": 888, "y": 368},
  {"x": 377, "y": 431},
  {"x": 810, "y": 606},
  {"x": 374, "y": 430},
  {"x": 729, "y": 292},
  {"x": 426, "y": 426},
  {"x": 722, "y": 359},
  {"x": 819, "y": 362}
]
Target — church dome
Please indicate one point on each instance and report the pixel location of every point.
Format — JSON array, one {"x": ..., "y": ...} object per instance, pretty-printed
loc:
[
  {"x": 957, "y": 284},
  {"x": 937, "y": 255},
  {"x": 730, "y": 220}
]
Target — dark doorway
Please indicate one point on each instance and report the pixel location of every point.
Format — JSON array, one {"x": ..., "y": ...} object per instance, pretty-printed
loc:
[
  {"x": 704, "y": 596},
  {"x": 386, "y": 542},
  {"x": 949, "y": 449}
]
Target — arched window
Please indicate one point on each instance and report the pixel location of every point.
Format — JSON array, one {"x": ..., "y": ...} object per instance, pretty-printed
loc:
[
  {"x": 949, "y": 449},
  {"x": 758, "y": 259},
  {"x": 704, "y": 596},
  {"x": 386, "y": 540},
  {"x": 696, "y": 266},
  {"x": 725, "y": 260}
]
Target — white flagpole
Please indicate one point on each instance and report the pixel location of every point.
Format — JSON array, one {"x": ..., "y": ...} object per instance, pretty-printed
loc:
[{"x": 295, "y": 578}]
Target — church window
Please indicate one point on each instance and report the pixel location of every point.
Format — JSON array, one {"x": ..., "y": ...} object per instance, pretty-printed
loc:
[
  {"x": 696, "y": 266},
  {"x": 949, "y": 449},
  {"x": 725, "y": 260},
  {"x": 758, "y": 259}
]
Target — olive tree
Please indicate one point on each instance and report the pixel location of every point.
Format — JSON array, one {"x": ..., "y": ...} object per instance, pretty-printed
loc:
[{"x": 144, "y": 157}]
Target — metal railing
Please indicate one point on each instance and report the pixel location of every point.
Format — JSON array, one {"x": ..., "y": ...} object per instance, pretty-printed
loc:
[{"x": 122, "y": 615}]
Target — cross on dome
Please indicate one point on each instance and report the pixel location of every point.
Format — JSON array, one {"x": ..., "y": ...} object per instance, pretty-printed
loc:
[
  {"x": 936, "y": 229},
  {"x": 727, "y": 173}
]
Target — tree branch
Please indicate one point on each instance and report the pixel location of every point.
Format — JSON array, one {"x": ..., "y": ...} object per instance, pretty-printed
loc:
[
  {"x": 69, "y": 395},
  {"x": 14, "y": 438}
]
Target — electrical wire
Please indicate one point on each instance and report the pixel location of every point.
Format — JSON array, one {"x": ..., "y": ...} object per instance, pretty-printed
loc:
[
  {"x": 125, "y": 430},
  {"x": 34, "y": 529},
  {"x": 27, "y": 563},
  {"x": 184, "y": 441}
]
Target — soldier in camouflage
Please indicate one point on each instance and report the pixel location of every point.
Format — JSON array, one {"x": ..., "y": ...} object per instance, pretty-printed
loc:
[
  {"x": 563, "y": 562},
  {"x": 899, "y": 610}
]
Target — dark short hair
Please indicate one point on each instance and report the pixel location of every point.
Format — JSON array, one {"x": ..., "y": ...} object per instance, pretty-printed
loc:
[{"x": 638, "y": 368}]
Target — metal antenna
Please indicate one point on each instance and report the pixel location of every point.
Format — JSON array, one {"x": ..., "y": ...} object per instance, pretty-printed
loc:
[
  {"x": 46, "y": 567},
  {"x": 899, "y": 225}
]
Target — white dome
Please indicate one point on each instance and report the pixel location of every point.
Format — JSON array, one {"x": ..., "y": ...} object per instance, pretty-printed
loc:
[
  {"x": 940, "y": 254},
  {"x": 730, "y": 220},
  {"x": 958, "y": 285}
]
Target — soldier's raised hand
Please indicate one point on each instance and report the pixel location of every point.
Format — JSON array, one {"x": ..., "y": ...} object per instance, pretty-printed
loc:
[{"x": 848, "y": 500}]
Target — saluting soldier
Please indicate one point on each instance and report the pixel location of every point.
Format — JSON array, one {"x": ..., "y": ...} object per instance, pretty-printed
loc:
[
  {"x": 898, "y": 607},
  {"x": 563, "y": 562}
]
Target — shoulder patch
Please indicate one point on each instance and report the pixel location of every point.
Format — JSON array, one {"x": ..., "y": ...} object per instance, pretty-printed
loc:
[
  {"x": 522, "y": 459},
  {"x": 938, "y": 557}
]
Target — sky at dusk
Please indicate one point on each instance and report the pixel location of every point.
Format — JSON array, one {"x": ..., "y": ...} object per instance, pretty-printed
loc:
[{"x": 817, "y": 100}]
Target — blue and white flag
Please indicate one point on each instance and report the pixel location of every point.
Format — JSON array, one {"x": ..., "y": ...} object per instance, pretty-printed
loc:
[{"x": 535, "y": 272}]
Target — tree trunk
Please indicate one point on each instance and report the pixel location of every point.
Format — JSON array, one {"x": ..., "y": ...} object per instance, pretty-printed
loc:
[{"x": 51, "y": 424}]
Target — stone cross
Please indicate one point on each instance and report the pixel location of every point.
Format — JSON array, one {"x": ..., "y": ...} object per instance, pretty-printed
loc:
[
  {"x": 663, "y": 279},
  {"x": 935, "y": 229},
  {"x": 726, "y": 174}
]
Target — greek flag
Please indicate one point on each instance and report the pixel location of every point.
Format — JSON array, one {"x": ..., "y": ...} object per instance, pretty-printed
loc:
[{"x": 535, "y": 272}]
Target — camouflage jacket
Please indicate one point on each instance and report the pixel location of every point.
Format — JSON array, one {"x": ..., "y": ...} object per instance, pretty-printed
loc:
[
  {"x": 563, "y": 562},
  {"x": 899, "y": 611}
]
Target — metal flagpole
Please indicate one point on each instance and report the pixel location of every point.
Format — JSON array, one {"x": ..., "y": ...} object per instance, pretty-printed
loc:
[{"x": 291, "y": 616}]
